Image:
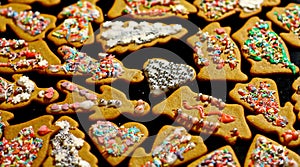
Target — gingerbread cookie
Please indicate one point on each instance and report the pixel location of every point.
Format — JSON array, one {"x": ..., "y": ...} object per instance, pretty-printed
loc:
[
  {"x": 216, "y": 55},
  {"x": 117, "y": 143},
  {"x": 16, "y": 16},
  {"x": 266, "y": 152},
  {"x": 4, "y": 117},
  {"x": 77, "y": 30},
  {"x": 223, "y": 156},
  {"x": 205, "y": 114},
  {"x": 264, "y": 49},
  {"x": 103, "y": 71},
  {"x": 296, "y": 96},
  {"x": 26, "y": 144},
  {"x": 163, "y": 75},
  {"x": 260, "y": 97},
  {"x": 67, "y": 146},
  {"x": 218, "y": 10},
  {"x": 288, "y": 19},
  {"x": 22, "y": 92},
  {"x": 120, "y": 37},
  {"x": 151, "y": 9},
  {"x": 47, "y": 3},
  {"x": 19, "y": 56},
  {"x": 173, "y": 146},
  {"x": 108, "y": 105}
]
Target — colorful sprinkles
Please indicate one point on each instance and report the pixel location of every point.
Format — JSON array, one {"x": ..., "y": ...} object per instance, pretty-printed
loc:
[
  {"x": 217, "y": 46},
  {"x": 173, "y": 6},
  {"x": 263, "y": 101},
  {"x": 268, "y": 154},
  {"x": 218, "y": 158},
  {"x": 115, "y": 140},
  {"x": 31, "y": 22},
  {"x": 171, "y": 148},
  {"x": 291, "y": 19},
  {"x": 22, "y": 150},
  {"x": 216, "y": 9},
  {"x": 263, "y": 43}
]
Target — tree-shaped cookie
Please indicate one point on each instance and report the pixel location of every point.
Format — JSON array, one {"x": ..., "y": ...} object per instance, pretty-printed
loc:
[
  {"x": 173, "y": 146},
  {"x": 22, "y": 92},
  {"x": 223, "y": 156},
  {"x": 76, "y": 30},
  {"x": 205, "y": 114},
  {"x": 26, "y": 144},
  {"x": 67, "y": 146},
  {"x": 288, "y": 19},
  {"x": 296, "y": 95},
  {"x": 105, "y": 70},
  {"x": 4, "y": 117},
  {"x": 117, "y": 143},
  {"x": 27, "y": 24},
  {"x": 218, "y": 10},
  {"x": 260, "y": 97},
  {"x": 266, "y": 152},
  {"x": 120, "y": 37},
  {"x": 216, "y": 54},
  {"x": 19, "y": 56},
  {"x": 264, "y": 49},
  {"x": 151, "y": 9},
  {"x": 164, "y": 76},
  {"x": 108, "y": 105}
]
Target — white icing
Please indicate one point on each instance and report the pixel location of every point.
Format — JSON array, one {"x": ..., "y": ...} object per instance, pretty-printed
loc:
[{"x": 250, "y": 5}]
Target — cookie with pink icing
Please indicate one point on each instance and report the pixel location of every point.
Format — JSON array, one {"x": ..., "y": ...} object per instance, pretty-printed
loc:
[
  {"x": 22, "y": 92},
  {"x": 108, "y": 105}
]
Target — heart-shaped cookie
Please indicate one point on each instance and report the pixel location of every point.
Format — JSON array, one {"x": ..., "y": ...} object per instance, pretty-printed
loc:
[
  {"x": 173, "y": 146},
  {"x": 163, "y": 75},
  {"x": 116, "y": 143}
]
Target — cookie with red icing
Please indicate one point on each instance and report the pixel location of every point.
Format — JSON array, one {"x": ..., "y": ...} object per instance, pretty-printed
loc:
[
  {"x": 260, "y": 97},
  {"x": 205, "y": 114}
]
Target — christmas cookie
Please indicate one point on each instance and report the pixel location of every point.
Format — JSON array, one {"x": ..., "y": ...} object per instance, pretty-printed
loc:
[
  {"x": 16, "y": 16},
  {"x": 288, "y": 19},
  {"x": 19, "y": 56},
  {"x": 173, "y": 146},
  {"x": 22, "y": 92},
  {"x": 264, "y": 49},
  {"x": 260, "y": 97},
  {"x": 266, "y": 152},
  {"x": 67, "y": 146},
  {"x": 26, "y": 144},
  {"x": 46, "y": 3},
  {"x": 117, "y": 143},
  {"x": 4, "y": 117},
  {"x": 223, "y": 156},
  {"x": 216, "y": 54},
  {"x": 76, "y": 30},
  {"x": 108, "y": 105},
  {"x": 205, "y": 114},
  {"x": 296, "y": 96},
  {"x": 105, "y": 70},
  {"x": 218, "y": 10},
  {"x": 119, "y": 36},
  {"x": 163, "y": 75},
  {"x": 151, "y": 9}
]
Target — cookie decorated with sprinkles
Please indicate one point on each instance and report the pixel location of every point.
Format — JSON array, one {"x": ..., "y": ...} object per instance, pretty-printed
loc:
[
  {"x": 4, "y": 117},
  {"x": 151, "y": 9},
  {"x": 67, "y": 146},
  {"x": 17, "y": 17},
  {"x": 216, "y": 54},
  {"x": 260, "y": 97},
  {"x": 108, "y": 105},
  {"x": 76, "y": 30},
  {"x": 104, "y": 70},
  {"x": 296, "y": 96},
  {"x": 164, "y": 76},
  {"x": 120, "y": 37},
  {"x": 117, "y": 143},
  {"x": 266, "y": 152},
  {"x": 288, "y": 19},
  {"x": 264, "y": 49},
  {"x": 223, "y": 156},
  {"x": 205, "y": 114},
  {"x": 173, "y": 146},
  {"x": 21, "y": 92}
]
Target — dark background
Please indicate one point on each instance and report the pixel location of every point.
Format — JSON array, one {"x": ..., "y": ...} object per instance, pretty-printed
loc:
[{"x": 176, "y": 51}]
